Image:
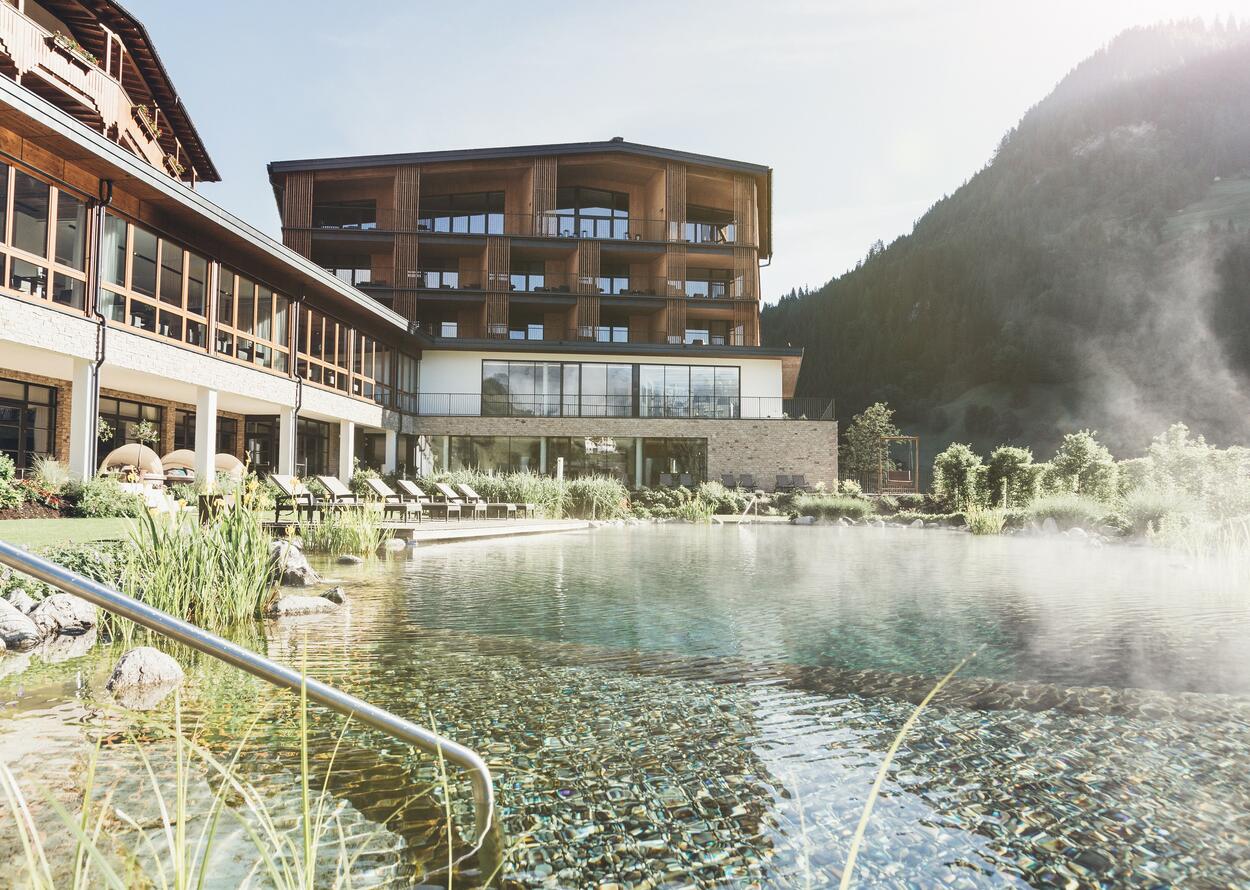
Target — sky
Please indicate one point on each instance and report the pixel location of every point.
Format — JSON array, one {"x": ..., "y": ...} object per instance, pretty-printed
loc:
[{"x": 868, "y": 111}]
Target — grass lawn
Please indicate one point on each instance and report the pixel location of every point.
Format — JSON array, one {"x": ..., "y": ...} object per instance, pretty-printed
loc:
[{"x": 40, "y": 532}]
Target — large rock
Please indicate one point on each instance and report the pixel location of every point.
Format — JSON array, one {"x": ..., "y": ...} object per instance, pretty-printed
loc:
[
  {"x": 335, "y": 595},
  {"x": 289, "y": 567},
  {"x": 16, "y": 629},
  {"x": 348, "y": 559},
  {"x": 292, "y": 604},
  {"x": 916, "y": 523},
  {"x": 143, "y": 677},
  {"x": 64, "y": 647},
  {"x": 804, "y": 520},
  {"x": 21, "y": 600},
  {"x": 1049, "y": 526},
  {"x": 63, "y": 613}
]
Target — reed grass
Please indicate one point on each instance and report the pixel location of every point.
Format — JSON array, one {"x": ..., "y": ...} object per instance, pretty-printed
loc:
[
  {"x": 344, "y": 530},
  {"x": 986, "y": 521},
  {"x": 831, "y": 507}
]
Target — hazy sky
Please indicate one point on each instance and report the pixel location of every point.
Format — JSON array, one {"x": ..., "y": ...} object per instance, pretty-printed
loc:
[{"x": 867, "y": 111}]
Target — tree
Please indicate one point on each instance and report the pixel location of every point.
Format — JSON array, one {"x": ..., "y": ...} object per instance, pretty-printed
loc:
[
  {"x": 1010, "y": 480},
  {"x": 956, "y": 472},
  {"x": 863, "y": 448},
  {"x": 1085, "y": 466}
]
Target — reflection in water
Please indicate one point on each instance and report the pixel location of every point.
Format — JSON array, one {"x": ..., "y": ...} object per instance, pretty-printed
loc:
[{"x": 681, "y": 706}]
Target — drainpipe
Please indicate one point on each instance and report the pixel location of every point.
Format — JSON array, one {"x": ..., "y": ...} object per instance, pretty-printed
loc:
[
  {"x": 93, "y": 288},
  {"x": 299, "y": 382}
]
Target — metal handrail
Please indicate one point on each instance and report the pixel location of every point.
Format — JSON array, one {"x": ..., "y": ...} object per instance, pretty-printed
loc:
[{"x": 488, "y": 841}]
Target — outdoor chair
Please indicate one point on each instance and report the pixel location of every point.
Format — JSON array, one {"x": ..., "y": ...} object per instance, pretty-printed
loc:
[
  {"x": 782, "y": 484},
  {"x": 339, "y": 494},
  {"x": 666, "y": 480},
  {"x": 293, "y": 496},
  {"x": 472, "y": 497},
  {"x": 412, "y": 490},
  {"x": 799, "y": 483},
  {"x": 451, "y": 497},
  {"x": 686, "y": 480},
  {"x": 393, "y": 502},
  {"x": 746, "y": 480},
  {"x": 727, "y": 480}
]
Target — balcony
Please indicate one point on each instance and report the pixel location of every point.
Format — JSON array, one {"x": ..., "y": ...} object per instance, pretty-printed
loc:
[
  {"x": 601, "y": 334},
  {"x": 640, "y": 407}
]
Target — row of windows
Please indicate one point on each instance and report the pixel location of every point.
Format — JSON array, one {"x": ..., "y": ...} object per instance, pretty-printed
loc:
[
  {"x": 44, "y": 235},
  {"x": 618, "y": 457},
  {"x": 603, "y": 389}
]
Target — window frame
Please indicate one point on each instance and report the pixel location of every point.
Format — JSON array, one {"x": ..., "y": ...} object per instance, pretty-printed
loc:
[{"x": 45, "y": 292}]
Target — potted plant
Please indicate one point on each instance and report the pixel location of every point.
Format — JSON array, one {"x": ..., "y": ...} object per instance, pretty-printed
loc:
[{"x": 146, "y": 433}]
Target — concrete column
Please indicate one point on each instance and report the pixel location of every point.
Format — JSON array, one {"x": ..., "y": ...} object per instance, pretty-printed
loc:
[
  {"x": 286, "y": 441},
  {"x": 205, "y": 435},
  {"x": 446, "y": 453},
  {"x": 542, "y": 454},
  {"x": 637, "y": 463},
  {"x": 82, "y": 420},
  {"x": 390, "y": 460},
  {"x": 347, "y": 450}
]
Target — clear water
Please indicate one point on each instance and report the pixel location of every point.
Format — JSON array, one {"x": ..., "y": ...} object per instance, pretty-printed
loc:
[{"x": 680, "y": 706}]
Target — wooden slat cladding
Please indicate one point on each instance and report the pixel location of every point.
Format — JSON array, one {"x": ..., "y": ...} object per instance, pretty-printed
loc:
[
  {"x": 587, "y": 314},
  {"x": 588, "y": 266},
  {"x": 543, "y": 200},
  {"x": 498, "y": 278},
  {"x": 406, "y": 275},
  {"x": 746, "y": 322},
  {"x": 407, "y": 198},
  {"x": 746, "y": 274},
  {"x": 746, "y": 210},
  {"x": 675, "y": 199},
  {"x": 297, "y": 210},
  {"x": 676, "y": 320},
  {"x": 675, "y": 268}
]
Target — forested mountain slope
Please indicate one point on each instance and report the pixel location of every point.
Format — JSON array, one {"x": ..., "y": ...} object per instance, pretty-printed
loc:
[{"x": 1095, "y": 273}]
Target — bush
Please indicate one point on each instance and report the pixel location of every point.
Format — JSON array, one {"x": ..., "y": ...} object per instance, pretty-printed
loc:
[
  {"x": 1146, "y": 507},
  {"x": 955, "y": 476},
  {"x": 1010, "y": 480},
  {"x": 516, "y": 488},
  {"x": 102, "y": 561},
  {"x": 359, "y": 484},
  {"x": 886, "y": 505},
  {"x": 721, "y": 500},
  {"x": 1068, "y": 510},
  {"x": 986, "y": 520},
  {"x": 50, "y": 475},
  {"x": 830, "y": 507},
  {"x": 595, "y": 497},
  {"x": 850, "y": 488},
  {"x": 913, "y": 501},
  {"x": 10, "y": 492},
  {"x": 102, "y": 497},
  {"x": 1083, "y": 466}
]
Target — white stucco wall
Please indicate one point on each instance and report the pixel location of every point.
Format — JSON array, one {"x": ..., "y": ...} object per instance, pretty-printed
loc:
[{"x": 460, "y": 372}]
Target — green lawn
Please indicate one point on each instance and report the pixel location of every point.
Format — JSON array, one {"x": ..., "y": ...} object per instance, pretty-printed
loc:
[{"x": 41, "y": 532}]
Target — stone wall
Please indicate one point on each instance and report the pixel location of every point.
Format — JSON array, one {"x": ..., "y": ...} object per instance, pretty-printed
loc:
[{"x": 764, "y": 448}]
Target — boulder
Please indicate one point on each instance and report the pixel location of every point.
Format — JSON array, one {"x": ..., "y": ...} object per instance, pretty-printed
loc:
[
  {"x": 877, "y": 523},
  {"x": 1049, "y": 526},
  {"x": 845, "y": 522},
  {"x": 63, "y": 613},
  {"x": 916, "y": 523},
  {"x": 395, "y": 544},
  {"x": 289, "y": 567},
  {"x": 804, "y": 520},
  {"x": 335, "y": 595},
  {"x": 348, "y": 559},
  {"x": 1077, "y": 532},
  {"x": 143, "y": 677},
  {"x": 16, "y": 629},
  {"x": 21, "y": 600},
  {"x": 64, "y": 647},
  {"x": 293, "y": 604}
]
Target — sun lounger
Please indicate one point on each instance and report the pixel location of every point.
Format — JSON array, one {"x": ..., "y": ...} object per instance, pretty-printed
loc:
[
  {"x": 746, "y": 480},
  {"x": 414, "y": 492},
  {"x": 687, "y": 481},
  {"x": 293, "y": 496},
  {"x": 393, "y": 502},
  {"x": 504, "y": 509},
  {"x": 727, "y": 480},
  {"x": 666, "y": 480},
  {"x": 783, "y": 483},
  {"x": 451, "y": 496},
  {"x": 799, "y": 483}
]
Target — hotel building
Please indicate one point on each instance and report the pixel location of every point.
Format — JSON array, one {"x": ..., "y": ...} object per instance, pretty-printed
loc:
[{"x": 499, "y": 308}]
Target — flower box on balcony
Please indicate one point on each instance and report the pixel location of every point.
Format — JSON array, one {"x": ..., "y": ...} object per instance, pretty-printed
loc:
[
  {"x": 73, "y": 50},
  {"x": 175, "y": 166},
  {"x": 147, "y": 120}
]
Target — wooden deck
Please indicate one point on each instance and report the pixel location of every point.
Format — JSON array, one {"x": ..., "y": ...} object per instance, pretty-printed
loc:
[{"x": 433, "y": 531}]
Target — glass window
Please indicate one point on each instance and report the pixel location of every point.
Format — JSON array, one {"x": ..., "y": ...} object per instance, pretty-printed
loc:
[
  {"x": 225, "y": 297},
  {"x": 114, "y": 258},
  {"x": 142, "y": 316},
  {"x": 521, "y": 388},
  {"x": 71, "y": 230},
  {"x": 28, "y": 278},
  {"x": 572, "y": 390},
  {"x": 68, "y": 291},
  {"x": 143, "y": 262},
  {"x": 197, "y": 281},
  {"x": 281, "y": 313},
  {"x": 245, "y": 294},
  {"x": 4, "y": 202},
  {"x": 620, "y": 396},
  {"x": 651, "y": 390},
  {"x": 171, "y": 273},
  {"x": 676, "y": 391},
  {"x": 702, "y": 391},
  {"x": 264, "y": 313},
  {"x": 113, "y": 306},
  {"x": 30, "y": 214}
]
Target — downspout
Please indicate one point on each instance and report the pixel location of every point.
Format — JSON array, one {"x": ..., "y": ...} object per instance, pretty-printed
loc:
[
  {"x": 299, "y": 382},
  {"x": 93, "y": 288}
]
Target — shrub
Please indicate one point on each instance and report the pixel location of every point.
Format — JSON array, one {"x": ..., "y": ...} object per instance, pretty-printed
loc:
[
  {"x": 50, "y": 474},
  {"x": 102, "y": 561},
  {"x": 955, "y": 474},
  {"x": 101, "y": 497},
  {"x": 524, "y": 488},
  {"x": 830, "y": 507},
  {"x": 1083, "y": 466},
  {"x": 595, "y": 497},
  {"x": 886, "y": 505},
  {"x": 1146, "y": 507},
  {"x": 1009, "y": 477},
  {"x": 912, "y": 501},
  {"x": 695, "y": 509},
  {"x": 721, "y": 500},
  {"x": 1132, "y": 474},
  {"x": 850, "y": 488},
  {"x": 1068, "y": 510},
  {"x": 986, "y": 520},
  {"x": 10, "y": 493},
  {"x": 358, "y": 484}
]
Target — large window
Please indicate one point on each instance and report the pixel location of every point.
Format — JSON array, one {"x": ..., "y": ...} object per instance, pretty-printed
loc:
[
  {"x": 711, "y": 284},
  {"x": 504, "y": 454},
  {"x": 612, "y": 456},
  {"x": 323, "y": 350},
  {"x": 27, "y": 421},
  {"x": 602, "y": 389},
  {"x": 44, "y": 235},
  {"x": 260, "y": 443},
  {"x": 184, "y": 432},
  {"x": 589, "y": 213},
  {"x": 123, "y": 417},
  {"x": 474, "y": 213},
  {"x": 345, "y": 215},
  {"x": 666, "y": 461},
  {"x": 312, "y": 447},
  {"x": 253, "y": 322},
  {"x": 707, "y": 225}
]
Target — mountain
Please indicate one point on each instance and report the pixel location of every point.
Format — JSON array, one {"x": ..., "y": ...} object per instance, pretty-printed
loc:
[{"x": 1095, "y": 273}]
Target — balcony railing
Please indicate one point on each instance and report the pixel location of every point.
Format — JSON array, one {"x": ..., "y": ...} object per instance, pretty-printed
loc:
[
  {"x": 630, "y": 406},
  {"x": 604, "y": 334},
  {"x": 355, "y": 218},
  {"x": 570, "y": 284}
]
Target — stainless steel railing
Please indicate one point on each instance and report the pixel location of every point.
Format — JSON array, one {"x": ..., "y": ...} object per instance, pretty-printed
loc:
[{"x": 488, "y": 836}]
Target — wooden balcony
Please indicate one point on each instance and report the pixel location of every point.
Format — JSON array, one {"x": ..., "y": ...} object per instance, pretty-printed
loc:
[{"x": 56, "y": 68}]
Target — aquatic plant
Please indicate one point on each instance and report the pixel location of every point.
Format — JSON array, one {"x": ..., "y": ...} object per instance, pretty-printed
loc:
[
  {"x": 1145, "y": 508},
  {"x": 344, "y": 530},
  {"x": 1068, "y": 510},
  {"x": 830, "y": 507},
  {"x": 986, "y": 520}
]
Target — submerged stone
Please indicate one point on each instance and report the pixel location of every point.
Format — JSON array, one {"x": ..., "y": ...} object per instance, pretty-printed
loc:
[
  {"x": 289, "y": 567},
  {"x": 293, "y": 604},
  {"x": 63, "y": 613}
]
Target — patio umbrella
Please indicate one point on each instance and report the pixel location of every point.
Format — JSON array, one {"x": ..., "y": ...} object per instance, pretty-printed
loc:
[{"x": 140, "y": 457}]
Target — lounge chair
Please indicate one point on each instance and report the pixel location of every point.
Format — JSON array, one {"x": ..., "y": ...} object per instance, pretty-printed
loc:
[
  {"x": 392, "y": 502},
  {"x": 293, "y": 496},
  {"x": 746, "y": 480},
  {"x": 451, "y": 496},
  {"x": 687, "y": 481},
  {"x": 666, "y": 480},
  {"x": 727, "y": 480},
  {"x": 799, "y": 483},
  {"x": 783, "y": 483},
  {"x": 509, "y": 510},
  {"x": 413, "y": 491}
]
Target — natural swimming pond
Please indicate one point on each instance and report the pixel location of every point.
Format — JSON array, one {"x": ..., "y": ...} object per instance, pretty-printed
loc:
[{"x": 706, "y": 706}]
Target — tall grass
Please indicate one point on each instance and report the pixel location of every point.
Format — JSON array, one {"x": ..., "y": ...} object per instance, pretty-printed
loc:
[
  {"x": 587, "y": 497},
  {"x": 986, "y": 521},
  {"x": 1068, "y": 510},
  {"x": 831, "y": 507},
  {"x": 1146, "y": 507},
  {"x": 214, "y": 574},
  {"x": 344, "y": 530}
]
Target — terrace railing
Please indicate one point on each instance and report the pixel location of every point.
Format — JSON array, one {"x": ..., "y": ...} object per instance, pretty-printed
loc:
[
  {"x": 488, "y": 835},
  {"x": 642, "y": 407}
]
